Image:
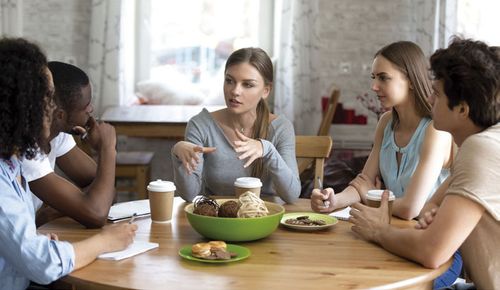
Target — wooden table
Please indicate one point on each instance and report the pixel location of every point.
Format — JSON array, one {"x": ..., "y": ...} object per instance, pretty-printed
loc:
[
  {"x": 153, "y": 121},
  {"x": 331, "y": 259}
]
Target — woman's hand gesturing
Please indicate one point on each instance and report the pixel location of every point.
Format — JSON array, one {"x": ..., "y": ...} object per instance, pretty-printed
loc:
[
  {"x": 188, "y": 152},
  {"x": 249, "y": 148}
]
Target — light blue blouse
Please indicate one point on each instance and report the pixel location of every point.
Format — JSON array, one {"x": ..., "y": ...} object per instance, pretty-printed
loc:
[
  {"x": 24, "y": 254},
  {"x": 397, "y": 180}
]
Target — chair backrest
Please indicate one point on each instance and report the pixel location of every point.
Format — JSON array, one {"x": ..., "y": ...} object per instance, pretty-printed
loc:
[
  {"x": 326, "y": 122},
  {"x": 316, "y": 147}
]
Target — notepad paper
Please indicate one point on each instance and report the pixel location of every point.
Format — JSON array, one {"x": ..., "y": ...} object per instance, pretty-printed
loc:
[
  {"x": 125, "y": 210},
  {"x": 133, "y": 249},
  {"x": 342, "y": 214}
]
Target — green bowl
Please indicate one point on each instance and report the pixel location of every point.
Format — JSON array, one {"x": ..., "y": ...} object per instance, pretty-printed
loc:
[{"x": 236, "y": 229}]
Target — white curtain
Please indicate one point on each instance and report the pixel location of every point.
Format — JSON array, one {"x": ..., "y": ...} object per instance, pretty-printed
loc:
[
  {"x": 297, "y": 90},
  {"x": 10, "y": 18},
  {"x": 105, "y": 67},
  {"x": 435, "y": 22},
  {"x": 446, "y": 23}
]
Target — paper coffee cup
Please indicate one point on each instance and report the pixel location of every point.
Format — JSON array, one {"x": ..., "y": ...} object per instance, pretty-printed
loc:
[
  {"x": 244, "y": 184},
  {"x": 374, "y": 197},
  {"x": 161, "y": 200}
]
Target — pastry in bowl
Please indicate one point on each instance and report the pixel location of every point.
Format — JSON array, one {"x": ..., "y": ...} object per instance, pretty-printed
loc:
[
  {"x": 204, "y": 205},
  {"x": 229, "y": 209}
]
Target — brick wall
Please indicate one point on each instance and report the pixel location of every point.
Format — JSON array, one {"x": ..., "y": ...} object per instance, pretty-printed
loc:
[
  {"x": 61, "y": 27},
  {"x": 351, "y": 32}
]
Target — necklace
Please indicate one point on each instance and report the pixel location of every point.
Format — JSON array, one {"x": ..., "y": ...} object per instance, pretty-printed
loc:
[{"x": 242, "y": 130}]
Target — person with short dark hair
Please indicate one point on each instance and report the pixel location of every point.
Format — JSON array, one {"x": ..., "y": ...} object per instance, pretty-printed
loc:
[
  {"x": 90, "y": 207},
  {"x": 464, "y": 213},
  {"x": 26, "y": 110}
]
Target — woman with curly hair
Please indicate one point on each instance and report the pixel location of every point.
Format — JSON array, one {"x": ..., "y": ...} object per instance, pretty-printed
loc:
[{"x": 26, "y": 106}]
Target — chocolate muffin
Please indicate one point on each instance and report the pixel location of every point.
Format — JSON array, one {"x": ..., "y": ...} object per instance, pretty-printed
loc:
[
  {"x": 229, "y": 209},
  {"x": 204, "y": 205},
  {"x": 205, "y": 209}
]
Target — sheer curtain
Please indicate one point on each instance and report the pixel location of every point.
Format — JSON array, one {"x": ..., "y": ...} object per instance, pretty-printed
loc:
[
  {"x": 297, "y": 94},
  {"x": 106, "y": 53},
  {"x": 445, "y": 23},
  {"x": 10, "y": 18}
]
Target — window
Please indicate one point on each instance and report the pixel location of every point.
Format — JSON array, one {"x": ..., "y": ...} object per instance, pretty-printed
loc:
[
  {"x": 478, "y": 19},
  {"x": 184, "y": 44}
]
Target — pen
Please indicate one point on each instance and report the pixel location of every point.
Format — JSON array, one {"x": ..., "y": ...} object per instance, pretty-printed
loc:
[
  {"x": 320, "y": 184},
  {"x": 326, "y": 203},
  {"x": 133, "y": 218}
]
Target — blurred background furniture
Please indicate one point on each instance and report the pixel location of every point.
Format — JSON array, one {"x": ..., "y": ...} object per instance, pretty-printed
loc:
[
  {"x": 135, "y": 168},
  {"x": 153, "y": 121},
  {"x": 326, "y": 122},
  {"x": 324, "y": 128}
]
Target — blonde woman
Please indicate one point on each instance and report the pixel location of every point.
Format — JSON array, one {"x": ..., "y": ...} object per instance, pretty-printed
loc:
[{"x": 244, "y": 139}]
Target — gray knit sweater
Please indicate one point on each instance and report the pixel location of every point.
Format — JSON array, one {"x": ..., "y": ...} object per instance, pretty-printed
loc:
[{"x": 217, "y": 171}]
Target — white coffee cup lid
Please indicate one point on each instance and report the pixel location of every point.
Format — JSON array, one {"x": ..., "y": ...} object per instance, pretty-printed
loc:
[
  {"x": 248, "y": 182},
  {"x": 161, "y": 186},
  {"x": 376, "y": 194}
]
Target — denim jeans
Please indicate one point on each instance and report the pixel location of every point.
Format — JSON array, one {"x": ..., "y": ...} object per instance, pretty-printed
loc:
[{"x": 448, "y": 277}]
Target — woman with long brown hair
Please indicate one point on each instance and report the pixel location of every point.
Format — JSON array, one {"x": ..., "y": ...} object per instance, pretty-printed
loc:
[
  {"x": 409, "y": 155},
  {"x": 244, "y": 139}
]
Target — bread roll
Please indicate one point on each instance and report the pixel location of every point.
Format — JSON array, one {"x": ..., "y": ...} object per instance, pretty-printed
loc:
[
  {"x": 201, "y": 250},
  {"x": 217, "y": 244}
]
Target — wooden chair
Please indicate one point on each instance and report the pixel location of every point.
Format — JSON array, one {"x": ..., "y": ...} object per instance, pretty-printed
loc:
[
  {"x": 326, "y": 122},
  {"x": 324, "y": 128},
  {"x": 315, "y": 147}
]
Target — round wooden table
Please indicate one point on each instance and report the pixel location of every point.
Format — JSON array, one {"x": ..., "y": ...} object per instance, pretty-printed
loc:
[{"x": 334, "y": 258}]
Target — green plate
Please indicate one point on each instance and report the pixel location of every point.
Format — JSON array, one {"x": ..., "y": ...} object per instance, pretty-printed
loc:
[
  {"x": 241, "y": 252},
  {"x": 329, "y": 220}
]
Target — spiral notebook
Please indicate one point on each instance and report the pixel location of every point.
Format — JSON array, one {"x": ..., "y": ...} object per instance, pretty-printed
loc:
[
  {"x": 342, "y": 214},
  {"x": 125, "y": 210},
  {"x": 137, "y": 247}
]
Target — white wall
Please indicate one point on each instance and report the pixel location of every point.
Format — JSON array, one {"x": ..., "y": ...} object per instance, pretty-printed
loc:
[{"x": 60, "y": 27}]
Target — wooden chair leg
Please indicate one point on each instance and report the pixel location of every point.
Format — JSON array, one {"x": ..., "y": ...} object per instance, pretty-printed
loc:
[{"x": 142, "y": 182}]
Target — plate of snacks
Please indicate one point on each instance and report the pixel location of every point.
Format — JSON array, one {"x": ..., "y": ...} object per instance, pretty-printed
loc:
[
  {"x": 307, "y": 221},
  {"x": 214, "y": 252}
]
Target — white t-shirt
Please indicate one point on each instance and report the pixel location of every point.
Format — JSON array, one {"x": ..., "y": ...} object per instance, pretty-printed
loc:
[{"x": 43, "y": 164}]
